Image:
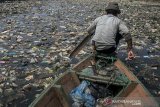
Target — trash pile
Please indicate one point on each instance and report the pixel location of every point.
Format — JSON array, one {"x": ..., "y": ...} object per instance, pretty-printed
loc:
[
  {"x": 95, "y": 91},
  {"x": 82, "y": 95},
  {"x": 36, "y": 37},
  {"x": 89, "y": 94}
]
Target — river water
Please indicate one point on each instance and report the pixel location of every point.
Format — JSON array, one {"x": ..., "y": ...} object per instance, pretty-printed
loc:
[{"x": 35, "y": 42}]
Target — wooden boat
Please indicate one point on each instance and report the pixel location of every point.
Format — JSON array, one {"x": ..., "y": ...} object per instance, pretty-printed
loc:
[{"x": 57, "y": 94}]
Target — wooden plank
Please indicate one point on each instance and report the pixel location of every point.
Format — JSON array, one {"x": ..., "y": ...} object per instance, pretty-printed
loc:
[
  {"x": 146, "y": 99},
  {"x": 61, "y": 96},
  {"x": 53, "y": 93},
  {"x": 80, "y": 46},
  {"x": 102, "y": 81},
  {"x": 75, "y": 78},
  {"x": 125, "y": 70},
  {"x": 83, "y": 64},
  {"x": 136, "y": 88},
  {"x": 42, "y": 101},
  {"x": 54, "y": 97},
  {"x": 128, "y": 89},
  {"x": 106, "y": 78},
  {"x": 54, "y": 101},
  {"x": 68, "y": 81}
]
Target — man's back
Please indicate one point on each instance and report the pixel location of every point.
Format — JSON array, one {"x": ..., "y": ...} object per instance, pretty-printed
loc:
[{"x": 106, "y": 30}]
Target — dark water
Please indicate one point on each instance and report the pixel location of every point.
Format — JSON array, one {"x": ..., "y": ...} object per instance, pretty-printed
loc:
[
  {"x": 146, "y": 67},
  {"x": 40, "y": 19}
]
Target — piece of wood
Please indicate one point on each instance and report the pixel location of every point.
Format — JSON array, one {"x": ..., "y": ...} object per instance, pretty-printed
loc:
[
  {"x": 136, "y": 89},
  {"x": 83, "y": 64},
  {"x": 100, "y": 78},
  {"x": 53, "y": 97},
  {"x": 68, "y": 81},
  {"x": 125, "y": 70},
  {"x": 102, "y": 81},
  {"x": 80, "y": 46},
  {"x": 128, "y": 89}
]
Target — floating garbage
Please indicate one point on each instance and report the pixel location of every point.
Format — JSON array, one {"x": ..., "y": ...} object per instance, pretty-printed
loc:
[
  {"x": 154, "y": 68},
  {"x": 29, "y": 77},
  {"x": 146, "y": 56},
  {"x": 2, "y": 62},
  {"x": 33, "y": 33}
]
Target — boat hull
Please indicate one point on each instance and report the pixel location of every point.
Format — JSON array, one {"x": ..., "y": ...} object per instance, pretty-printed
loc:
[{"x": 57, "y": 94}]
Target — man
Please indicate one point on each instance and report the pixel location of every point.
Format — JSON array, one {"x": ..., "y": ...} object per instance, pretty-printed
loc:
[{"x": 108, "y": 30}]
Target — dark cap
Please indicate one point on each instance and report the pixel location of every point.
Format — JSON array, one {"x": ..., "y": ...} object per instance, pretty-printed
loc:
[{"x": 113, "y": 6}]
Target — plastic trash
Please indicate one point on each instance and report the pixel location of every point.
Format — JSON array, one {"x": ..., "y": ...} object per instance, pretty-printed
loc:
[
  {"x": 2, "y": 62},
  {"x": 11, "y": 53},
  {"x": 76, "y": 104},
  {"x": 88, "y": 71},
  {"x": 146, "y": 56},
  {"x": 82, "y": 96}
]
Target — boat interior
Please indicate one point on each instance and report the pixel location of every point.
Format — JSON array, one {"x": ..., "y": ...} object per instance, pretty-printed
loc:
[{"x": 126, "y": 86}]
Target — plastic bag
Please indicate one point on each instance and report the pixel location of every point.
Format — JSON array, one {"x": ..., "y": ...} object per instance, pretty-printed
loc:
[{"x": 82, "y": 96}]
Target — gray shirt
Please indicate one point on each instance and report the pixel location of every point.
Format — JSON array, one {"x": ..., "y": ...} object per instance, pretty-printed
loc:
[{"x": 106, "y": 28}]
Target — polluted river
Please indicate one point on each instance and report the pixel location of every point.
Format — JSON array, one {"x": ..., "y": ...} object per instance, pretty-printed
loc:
[{"x": 36, "y": 37}]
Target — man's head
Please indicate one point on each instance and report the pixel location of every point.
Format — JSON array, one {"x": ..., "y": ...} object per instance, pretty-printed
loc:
[{"x": 113, "y": 8}]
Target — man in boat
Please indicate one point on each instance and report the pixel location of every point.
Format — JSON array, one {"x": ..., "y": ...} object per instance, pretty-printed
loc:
[{"x": 108, "y": 30}]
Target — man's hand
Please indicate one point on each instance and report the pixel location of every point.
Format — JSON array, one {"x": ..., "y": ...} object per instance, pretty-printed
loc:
[
  {"x": 129, "y": 48},
  {"x": 130, "y": 55}
]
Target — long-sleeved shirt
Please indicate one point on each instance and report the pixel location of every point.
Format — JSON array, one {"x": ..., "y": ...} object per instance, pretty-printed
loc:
[{"x": 106, "y": 29}]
